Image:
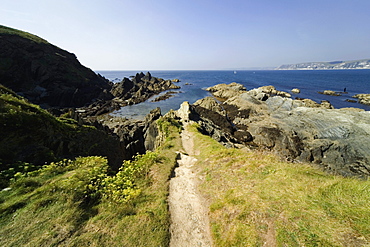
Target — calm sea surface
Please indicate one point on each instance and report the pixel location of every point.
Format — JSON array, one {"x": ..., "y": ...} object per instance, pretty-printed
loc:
[{"x": 309, "y": 82}]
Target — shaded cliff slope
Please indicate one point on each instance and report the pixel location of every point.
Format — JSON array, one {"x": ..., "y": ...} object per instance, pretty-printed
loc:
[
  {"x": 45, "y": 74},
  {"x": 30, "y": 134}
]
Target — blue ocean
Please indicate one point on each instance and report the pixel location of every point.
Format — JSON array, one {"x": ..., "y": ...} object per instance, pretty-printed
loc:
[{"x": 310, "y": 82}]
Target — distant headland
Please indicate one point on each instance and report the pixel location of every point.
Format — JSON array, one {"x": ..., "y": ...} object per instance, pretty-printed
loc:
[{"x": 354, "y": 64}]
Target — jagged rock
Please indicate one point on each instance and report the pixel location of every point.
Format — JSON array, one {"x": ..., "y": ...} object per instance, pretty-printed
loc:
[
  {"x": 326, "y": 104},
  {"x": 121, "y": 89},
  {"x": 140, "y": 88},
  {"x": 151, "y": 131},
  {"x": 184, "y": 112},
  {"x": 135, "y": 136},
  {"x": 205, "y": 118},
  {"x": 211, "y": 104},
  {"x": 271, "y": 90},
  {"x": 225, "y": 91}
]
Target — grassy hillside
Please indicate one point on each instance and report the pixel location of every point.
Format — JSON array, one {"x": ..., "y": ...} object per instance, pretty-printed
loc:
[
  {"x": 45, "y": 74},
  {"x": 78, "y": 203},
  {"x": 12, "y": 31},
  {"x": 256, "y": 199},
  {"x": 30, "y": 137}
]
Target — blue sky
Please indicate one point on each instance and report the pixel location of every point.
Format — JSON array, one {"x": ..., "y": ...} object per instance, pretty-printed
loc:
[{"x": 196, "y": 34}]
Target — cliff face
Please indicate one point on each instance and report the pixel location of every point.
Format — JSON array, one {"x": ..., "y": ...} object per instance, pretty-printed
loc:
[
  {"x": 357, "y": 64},
  {"x": 46, "y": 74}
]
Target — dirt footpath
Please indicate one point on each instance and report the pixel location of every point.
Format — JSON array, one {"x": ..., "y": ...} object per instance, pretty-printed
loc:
[{"x": 189, "y": 218}]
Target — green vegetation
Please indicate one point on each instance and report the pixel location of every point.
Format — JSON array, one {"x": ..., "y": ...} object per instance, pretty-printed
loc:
[
  {"x": 11, "y": 31},
  {"x": 255, "y": 198},
  {"x": 30, "y": 136},
  {"x": 79, "y": 203}
]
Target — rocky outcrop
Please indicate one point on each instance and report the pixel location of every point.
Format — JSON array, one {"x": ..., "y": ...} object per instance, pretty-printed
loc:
[
  {"x": 225, "y": 91},
  {"x": 135, "y": 136},
  {"x": 330, "y": 92},
  {"x": 127, "y": 92},
  {"x": 299, "y": 130},
  {"x": 363, "y": 98},
  {"x": 45, "y": 74},
  {"x": 165, "y": 96},
  {"x": 140, "y": 88}
]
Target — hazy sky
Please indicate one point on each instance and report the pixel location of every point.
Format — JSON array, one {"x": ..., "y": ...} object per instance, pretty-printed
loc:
[{"x": 196, "y": 34}]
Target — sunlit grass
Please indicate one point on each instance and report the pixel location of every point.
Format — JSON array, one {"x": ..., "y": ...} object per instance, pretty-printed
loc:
[
  {"x": 12, "y": 31},
  {"x": 256, "y": 199},
  {"x": 62, "y": 204}
]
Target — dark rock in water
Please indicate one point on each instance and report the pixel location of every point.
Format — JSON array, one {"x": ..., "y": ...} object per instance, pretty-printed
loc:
[
  {"x": 46, "y": 74},
  {"x": 140, "y": 88},
  {"x": 167, "y": 95},
  {"x": 147, "y": 77}
]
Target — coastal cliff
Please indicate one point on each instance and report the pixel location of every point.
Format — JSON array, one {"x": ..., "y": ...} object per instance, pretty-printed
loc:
[
  {"x": 45, "y": 74},
  {"x": 36, "y": 75},
  {"x": 355, "y": 64}
]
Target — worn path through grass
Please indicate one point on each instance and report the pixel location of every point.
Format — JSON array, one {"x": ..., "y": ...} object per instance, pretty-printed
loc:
[{"x": 189, "y": 215}]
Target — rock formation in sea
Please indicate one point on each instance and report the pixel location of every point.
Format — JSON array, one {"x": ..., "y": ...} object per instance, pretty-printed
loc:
[{"x": 363, "y": 98}]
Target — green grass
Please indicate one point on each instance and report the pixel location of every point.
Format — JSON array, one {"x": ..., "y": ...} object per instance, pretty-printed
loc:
[
  {"x": 68, "y": 204},
  {"x": 11, "y": 31},
  {"x": 256, "y": 198}
]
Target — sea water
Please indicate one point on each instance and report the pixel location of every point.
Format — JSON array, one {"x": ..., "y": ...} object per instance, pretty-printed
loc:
[{"x": 194, "y": 83}]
